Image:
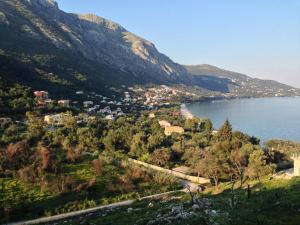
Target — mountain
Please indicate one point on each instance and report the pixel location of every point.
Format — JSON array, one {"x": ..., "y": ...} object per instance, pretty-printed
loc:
[
  {"x": 45, "y": 48},
  {"x": 237, "y": 84}
]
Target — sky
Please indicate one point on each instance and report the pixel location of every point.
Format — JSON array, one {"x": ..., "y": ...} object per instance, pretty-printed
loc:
[{"x": 260, "y": 38}]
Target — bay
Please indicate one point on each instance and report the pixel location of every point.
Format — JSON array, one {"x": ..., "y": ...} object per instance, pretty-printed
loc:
[{"x": 265, "y": 118}]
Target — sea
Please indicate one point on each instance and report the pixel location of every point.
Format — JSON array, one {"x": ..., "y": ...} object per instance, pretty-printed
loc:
[{"x": 265, "y": 118}]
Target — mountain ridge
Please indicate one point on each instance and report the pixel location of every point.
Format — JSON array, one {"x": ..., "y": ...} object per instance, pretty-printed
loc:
[{"x": 84, "y": 51}]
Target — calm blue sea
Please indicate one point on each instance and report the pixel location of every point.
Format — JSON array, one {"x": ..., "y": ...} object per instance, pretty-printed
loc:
[{"x": 265, "y": 118}]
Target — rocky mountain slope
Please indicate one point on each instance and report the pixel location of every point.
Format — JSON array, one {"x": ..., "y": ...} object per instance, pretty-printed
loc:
[{"x": 45, "y": 48}]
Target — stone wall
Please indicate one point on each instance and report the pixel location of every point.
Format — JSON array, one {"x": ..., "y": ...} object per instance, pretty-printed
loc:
[{"x": 194, "y": 179}]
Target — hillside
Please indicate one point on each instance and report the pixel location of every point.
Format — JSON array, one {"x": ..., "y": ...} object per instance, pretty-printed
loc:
[
  {"x": 239, "y": 84},
  {"x": 45, "y": 48}
]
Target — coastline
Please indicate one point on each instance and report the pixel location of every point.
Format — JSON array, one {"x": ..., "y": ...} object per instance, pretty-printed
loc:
[
  {"x": 185, "y": 112},
  {"x": 264, "y": 136}
]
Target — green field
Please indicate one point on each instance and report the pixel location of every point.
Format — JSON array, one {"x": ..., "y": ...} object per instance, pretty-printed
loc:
[{"x": 26, "y": 201}]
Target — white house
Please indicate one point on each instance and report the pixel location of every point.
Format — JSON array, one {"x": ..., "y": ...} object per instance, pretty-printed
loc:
[
  {"x": 87, "y": 104},
  {"x": 64, "y": 103},
  {"x": 296, "y": 158}
]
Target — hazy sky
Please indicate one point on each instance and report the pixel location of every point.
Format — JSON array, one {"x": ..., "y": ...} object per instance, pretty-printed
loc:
[{"x": 260, "y": 38}]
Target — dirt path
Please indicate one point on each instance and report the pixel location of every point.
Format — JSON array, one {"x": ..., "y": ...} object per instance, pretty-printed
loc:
[{"x": 87, "y": 212}]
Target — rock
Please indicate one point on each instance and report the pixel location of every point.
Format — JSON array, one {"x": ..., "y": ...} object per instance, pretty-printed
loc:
[
  {"x": 45, "y": 3},
  {"x": 3, "y": 18},
  {"x": 195, "y": 207},
  {"x": 111, "y": 43},
  {"x": 177, "y": 209},
  {"x": 129, "y": 210}
]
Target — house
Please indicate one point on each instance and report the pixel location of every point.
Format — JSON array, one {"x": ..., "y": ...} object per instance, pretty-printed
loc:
[
  {"x": 87, "y": 104},
  {"x": 296, "y": 158},
  {"x": 151, "y": 115},
  {"x": 173, "y": 129},
  {"x": 110, "y": 117},
  {"x": 121, "y": 114},
  {"x": 214, "y": 132},
  {"x": 164, "y": 123},
  {"x": 64, "y": 103},
  {"x": 79, "y": 92},
  {"x": 41, "y": 94},
  {"x": 55, "y": 119},
  {"x": 4, "y": 121}
]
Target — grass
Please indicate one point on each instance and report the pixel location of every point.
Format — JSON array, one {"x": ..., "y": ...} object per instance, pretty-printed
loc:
[
  {"x": 272, "y": 202},
  {"x": 28, "y": 201}
]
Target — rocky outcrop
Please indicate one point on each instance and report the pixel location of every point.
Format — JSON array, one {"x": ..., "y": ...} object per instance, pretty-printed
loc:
[{"x": 101, "y": 40}]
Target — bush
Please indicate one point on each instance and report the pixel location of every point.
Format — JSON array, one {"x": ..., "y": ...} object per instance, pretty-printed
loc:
[
  {"x": 164, "y": 179},
  {"x": 120, "y": 183},
  {"x": 74, "y": 154},
  {"x": 137, "y": 173},
  {"x": 97, "y": 165},
  {"x": 27, "y": 174}
]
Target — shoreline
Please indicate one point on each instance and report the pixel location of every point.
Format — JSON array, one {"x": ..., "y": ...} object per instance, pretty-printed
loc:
[{"x": 185, "y": 112}]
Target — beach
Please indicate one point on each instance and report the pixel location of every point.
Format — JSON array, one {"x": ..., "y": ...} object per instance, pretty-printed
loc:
[{"x": 185, "y": 112}]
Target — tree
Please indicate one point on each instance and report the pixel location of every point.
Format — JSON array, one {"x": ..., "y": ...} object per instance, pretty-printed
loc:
[
  {"x": 161, "y": 157},
  {"x": 206, "y": 126},
  {"x": 46, "y": 159},
  {"x": 210, "y": 167},
  {"x": 215, "y": 163},
  {"x": 239, "y": 162},
  {"x": 156, "y": 140},
  {"x": 192, "y": 125},
  {"x": 35, "y": 125},
  {"x": 118, "y": 139},
  {"x": 225, "y": 132},
  {"x": 11, "y": 134},
  {"x": 192, "y": 155},
  {"x": 201, "y": 139},
  {"x": 87, "y": 138},
  {"x": 18, "y": 155},
  {"x": 138, "y": 146},
  {"x": 258, "y": 166},
  {"x": 69, "y": 121}
]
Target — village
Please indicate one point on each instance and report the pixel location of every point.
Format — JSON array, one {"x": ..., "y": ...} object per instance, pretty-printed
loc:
[{"x": 134, "y": 99}]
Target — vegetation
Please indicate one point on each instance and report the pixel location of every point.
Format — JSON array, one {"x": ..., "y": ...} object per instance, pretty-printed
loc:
[
  {"x": 15, "y": 98},
  {"x": 272, "y": 202},
  {"x": 42, "y": 166}
]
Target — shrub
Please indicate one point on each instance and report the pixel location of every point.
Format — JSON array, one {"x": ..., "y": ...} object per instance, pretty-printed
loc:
[
  {"x": 74, "y": 154},
  {"x": 161, "y": 157},
  {"x": 137, "y": 173},
  {"x": 164, "y": 179},
  {"x": 18, "y": 155},
  {"x": 97, "y": 165},
  {"x": 120, "y": 183},
  {"x": 27, "y": 174}
]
